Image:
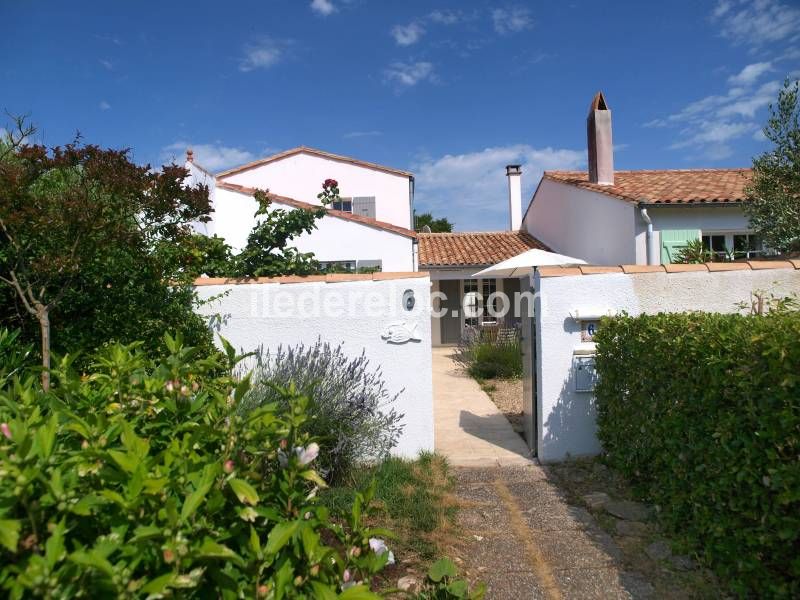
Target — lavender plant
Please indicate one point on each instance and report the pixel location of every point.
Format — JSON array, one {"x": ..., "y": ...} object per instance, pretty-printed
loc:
[{"x": 350, "y": 407}]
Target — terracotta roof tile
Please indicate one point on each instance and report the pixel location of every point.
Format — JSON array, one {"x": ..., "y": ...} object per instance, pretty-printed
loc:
[
  {"x": 314, "y": 152},
  {"x": 473, "y": 248},
  {"x": 686, "y": 186},
  {"x": 339, "y": 214}
]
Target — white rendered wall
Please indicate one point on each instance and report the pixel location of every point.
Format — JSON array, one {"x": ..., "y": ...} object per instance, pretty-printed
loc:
[
  {"x": 566, "y": 418},
  {"x": 333, "y": 239},
  {"x": 198, "y": 176},
  {"x": 300, "y": 176},
  {"x": 582, "y": 223},
  {"x": 271, "y": 314}
]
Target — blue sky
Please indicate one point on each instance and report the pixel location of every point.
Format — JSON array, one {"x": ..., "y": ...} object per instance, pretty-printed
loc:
[{"x": 450, "y": 90}]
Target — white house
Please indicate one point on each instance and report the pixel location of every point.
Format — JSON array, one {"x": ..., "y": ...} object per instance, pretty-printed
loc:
[
  {"x": 609, "y": 217},
  {"x": 452, "y": 259},
  {"x": 371, "y": 227}
]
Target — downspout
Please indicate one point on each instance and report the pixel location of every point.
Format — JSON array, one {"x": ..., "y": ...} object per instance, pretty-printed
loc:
[
  {"x": 649, "y": 237},
  {"x": 412, "y": 226}
]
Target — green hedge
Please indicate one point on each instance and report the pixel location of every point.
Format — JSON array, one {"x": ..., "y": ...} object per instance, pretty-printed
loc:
[{"x": 702, "y": 411}]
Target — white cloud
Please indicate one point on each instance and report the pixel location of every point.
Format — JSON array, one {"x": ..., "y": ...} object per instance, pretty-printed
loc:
[
  {"x": 511, "y": 20},
  {"x": 757, "y": 22},
  {"x": 214, "y": 157},
  {"x": 104, "y": 105},
  {"x": 750, "y": 74},
  {"x": 409, "y": 74},
  {"x": 107, "y": 64},
  {"x": 323, "y": 7},
  {"x": 710, "y": 125},
  {"x": 360, "y": 134},
  {"x": 406, "y": 35},
  {"x": 471, "y": 189},
  {"x": 262, "y": 54},
  {"x": 446, "y": 16}
]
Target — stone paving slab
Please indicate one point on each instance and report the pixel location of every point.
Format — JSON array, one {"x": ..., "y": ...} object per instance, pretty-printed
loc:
[{"x": 521, "y": 537}]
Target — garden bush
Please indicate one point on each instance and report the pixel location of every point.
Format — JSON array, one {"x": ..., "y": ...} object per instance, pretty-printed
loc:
[
  {"x": 702, "y": 412},
  {"x": 143, "y": 479},
  {"x": 349, "y": 406},
  {"x": 485, "y": 356}
]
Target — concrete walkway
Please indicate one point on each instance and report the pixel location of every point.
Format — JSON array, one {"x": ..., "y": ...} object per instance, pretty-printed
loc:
[
  {"x": 469, "y": 429},
  {"x": 519, "y": 534}
]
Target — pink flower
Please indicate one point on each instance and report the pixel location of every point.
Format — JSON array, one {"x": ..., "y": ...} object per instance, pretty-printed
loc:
[
  {"x": 228, "y": 466},
  {"x": 307, "y": 455},
  {"x": 346, "y": 575},
  {"x": 5, "y": 429}
]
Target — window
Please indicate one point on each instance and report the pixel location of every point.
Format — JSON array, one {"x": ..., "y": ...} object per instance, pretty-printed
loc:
[
  {"x": 344, "y": 204},
  {"x": 734, "y": 245},
  {"x": 358, "y": 205},
  {"x": 489, "y": 287},
  {"x": 338, "y": 266},
  {"x": 471, "y": 302}
]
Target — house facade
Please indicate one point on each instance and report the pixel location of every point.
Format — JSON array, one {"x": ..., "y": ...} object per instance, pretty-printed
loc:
[
  {"x": 609, "y": 217},
  {"x": 370, "y": 228}
]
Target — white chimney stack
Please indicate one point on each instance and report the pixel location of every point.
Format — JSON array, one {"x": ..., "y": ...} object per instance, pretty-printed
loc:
[
  {"x": 514, "y": 174},
  {"x": 600, "y": 146}
]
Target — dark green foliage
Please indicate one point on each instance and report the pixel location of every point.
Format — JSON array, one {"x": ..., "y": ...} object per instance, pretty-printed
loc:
[
  {"x": 774, "y": 194},
  {"x": 702, "y": 412},
  {"x": 694, "y": 253},
  {"x": 267, "y": 253},
  {"x": 141, "y": 479},
  {"x": 437, "y": 225},
  {"x": 93, "y": 247},
  {"x": 350, "y": 407}
]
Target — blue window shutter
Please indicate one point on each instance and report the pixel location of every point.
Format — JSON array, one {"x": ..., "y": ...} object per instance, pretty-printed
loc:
[{"x": 673, "y": 240}]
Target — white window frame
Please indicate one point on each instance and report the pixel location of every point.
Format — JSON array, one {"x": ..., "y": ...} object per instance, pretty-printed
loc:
[
  {"x": 483, "y": 318},
  {"x": 729, "y": 235}
]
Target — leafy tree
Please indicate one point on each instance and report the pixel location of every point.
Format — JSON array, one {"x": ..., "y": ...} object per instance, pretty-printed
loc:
[
  {"x": 96, "y": 241},
  {"x": 437, "y": 225},
  {"x": 774, "y": 194},
  {"x": 267, "y": 253}
]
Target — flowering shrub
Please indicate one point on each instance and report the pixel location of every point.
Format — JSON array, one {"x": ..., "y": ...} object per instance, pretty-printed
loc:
[
  {"x": 144, "y": 480},
  {"x": 349, "y": 406}
]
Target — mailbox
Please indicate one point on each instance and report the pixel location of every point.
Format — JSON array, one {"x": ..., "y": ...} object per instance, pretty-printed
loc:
[{"x": 584, "y": 373}]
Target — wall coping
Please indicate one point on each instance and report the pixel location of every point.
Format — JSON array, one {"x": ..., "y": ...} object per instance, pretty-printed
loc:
[
  {"x": 329, "y": 278},
  {"x": 751, "y": 265}
]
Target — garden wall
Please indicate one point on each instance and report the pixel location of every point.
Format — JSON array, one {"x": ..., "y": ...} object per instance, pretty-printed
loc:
[
  {"x": 565, "y": 419},
  {"x": 363, "y": 312}
]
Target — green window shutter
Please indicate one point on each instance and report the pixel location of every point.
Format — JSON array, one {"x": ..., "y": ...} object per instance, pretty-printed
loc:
[{"x": 673, "y": 240}]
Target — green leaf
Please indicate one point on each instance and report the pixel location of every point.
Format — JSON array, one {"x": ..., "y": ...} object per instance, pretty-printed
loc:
[
  {"x": 280, "y": 536},
  {"x": 126, "y": 461},
  {"x": 358, "y": 592},
  {"x": 9, "y": 533},
  {"x": 54, "y": 546},
  {"x": 255, "y": 541},
  {"x": 244, "y": 491},
  {"x": 145, "y": 532},
  {"x": 458, "y": 588},
  {"x": 46, "y": 437},
  {"x": 211, "y": 549},
  {"x": 313, "y": 476},
  {"x": 195, "y": 499},
  {"x": 156, "y": 586},
  {"x": 323, "y": 591},
  {"x": 93, "y": 560},
  {"x": 440, "y": 569}
]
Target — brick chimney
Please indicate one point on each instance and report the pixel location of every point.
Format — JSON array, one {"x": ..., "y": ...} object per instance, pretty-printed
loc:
[
  {"x": 514, "y": 174},
  {"x": 600, "y": 146}
]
